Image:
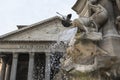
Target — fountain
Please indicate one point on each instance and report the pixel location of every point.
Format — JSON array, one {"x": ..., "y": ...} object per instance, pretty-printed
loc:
[
  {"x": 85, "y": 58},
  {"x": 89, "y": 48},
  {"x": 88, "y": 56}
]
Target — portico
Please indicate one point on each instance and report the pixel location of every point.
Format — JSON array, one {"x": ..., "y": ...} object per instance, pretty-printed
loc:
[{"x": 21, "y": 49}]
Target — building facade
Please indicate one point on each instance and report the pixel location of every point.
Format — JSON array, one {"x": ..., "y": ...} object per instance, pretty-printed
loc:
[{"x": 27, "y": 49}]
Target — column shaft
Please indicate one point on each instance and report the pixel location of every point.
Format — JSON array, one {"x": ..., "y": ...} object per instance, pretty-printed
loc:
[
  {"x": 3, "y": 69},
  {"x": 31, "y": 66},
  {"x": 14, "y": 67},
  {"x": 47, "y": 67},
  {"x": 8, "y": 69}
]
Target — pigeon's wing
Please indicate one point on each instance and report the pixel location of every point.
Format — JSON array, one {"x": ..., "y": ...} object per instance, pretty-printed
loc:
[{"x": 69, "y": 16}]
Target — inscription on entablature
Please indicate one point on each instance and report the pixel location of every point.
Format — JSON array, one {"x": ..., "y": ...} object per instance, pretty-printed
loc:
[{"x": 33, "y": 46}]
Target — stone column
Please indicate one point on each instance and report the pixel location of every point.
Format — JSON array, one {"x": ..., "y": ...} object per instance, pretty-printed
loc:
[
  {"x": 47, "y": 67},
  {"x": 3, "y": 69},
  {"x": 31, "y": 66},
  {"x": 8, "y": 69},
  {"x": 14, "y": 67}
]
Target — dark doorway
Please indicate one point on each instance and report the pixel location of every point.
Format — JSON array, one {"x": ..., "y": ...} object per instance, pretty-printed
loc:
[
  {"x": 55, "y": 63},
  {"x": 22, "y": 68},
  {"x": 39, "y": 66}
]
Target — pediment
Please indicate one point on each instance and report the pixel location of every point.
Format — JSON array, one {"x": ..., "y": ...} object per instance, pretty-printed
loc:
[{"x": 47, "y": 30}]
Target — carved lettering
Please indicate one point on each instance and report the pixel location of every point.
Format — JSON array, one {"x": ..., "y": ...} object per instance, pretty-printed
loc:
[
  {"x": 31, "y": 47},
  {"x": 34, "y": 46}
]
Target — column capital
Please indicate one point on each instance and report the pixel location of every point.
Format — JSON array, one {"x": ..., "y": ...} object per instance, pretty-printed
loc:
[
  {"x": 15, "y": 55},
  {"x": 31, "y": 54},
  {"x": 48, "y": 53}
]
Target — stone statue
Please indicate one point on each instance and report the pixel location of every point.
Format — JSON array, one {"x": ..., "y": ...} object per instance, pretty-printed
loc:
[
  {"x": 82, "y": 47},
  {"x": 84, "y": 55},
  {"x": 99, "y": 15}
]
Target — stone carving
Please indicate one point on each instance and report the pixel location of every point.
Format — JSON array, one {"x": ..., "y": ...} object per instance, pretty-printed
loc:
[
  {"x": 90, "y": 25},
  {"x": 70, "y": 66},
  {"x": 99, "y": 15},
  {"x": 118, "y": 24},
  {"x": 100, "y": 65},
  {"x": 118, "y": 4},
  {"x": 84, "y": 55}
]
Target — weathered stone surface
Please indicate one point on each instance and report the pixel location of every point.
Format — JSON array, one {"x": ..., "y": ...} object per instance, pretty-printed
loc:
[
  {"x": 47, "y": 30},
  {"x": 43, "y": 46},
  {"x": 104, "y": 13},
  {"x": 87, "y": 59}
]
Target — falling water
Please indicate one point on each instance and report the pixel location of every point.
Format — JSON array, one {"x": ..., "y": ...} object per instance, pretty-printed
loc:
[
  {"x": 64, "y": 38},
  {"x": 39, "y": 67},
  {"x": 67, "y": 35}
]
